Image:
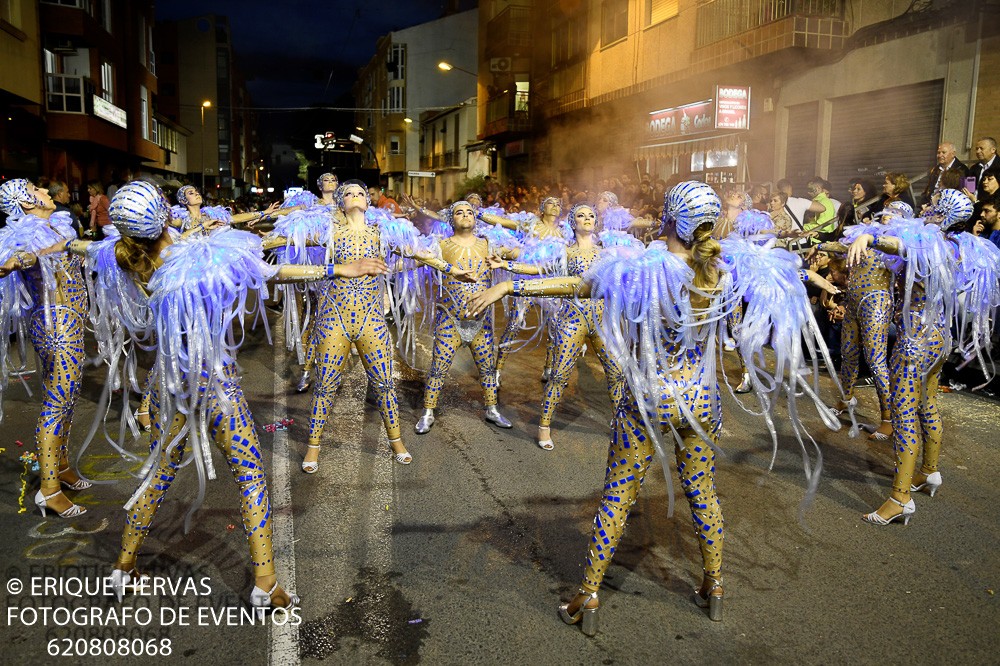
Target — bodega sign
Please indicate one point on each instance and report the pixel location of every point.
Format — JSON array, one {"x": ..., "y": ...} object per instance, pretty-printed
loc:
[
  {"x": 680, "y": 121},
  {"x": 728, "y": 110},
  {"x": 732, "y": 107}
]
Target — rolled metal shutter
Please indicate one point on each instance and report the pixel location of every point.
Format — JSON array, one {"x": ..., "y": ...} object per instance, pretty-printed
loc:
[
  {"x": 894, "y": 129},
  {"x": 800, "y": 153}
]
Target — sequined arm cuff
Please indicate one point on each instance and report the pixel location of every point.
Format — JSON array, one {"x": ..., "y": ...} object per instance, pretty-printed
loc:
[{"x": 554, "y": 287}]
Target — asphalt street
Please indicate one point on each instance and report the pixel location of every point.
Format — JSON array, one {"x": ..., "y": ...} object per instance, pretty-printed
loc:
[{"x": 463, "y": 556}]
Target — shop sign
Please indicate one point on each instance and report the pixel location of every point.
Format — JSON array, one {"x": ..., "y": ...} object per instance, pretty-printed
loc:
[
  {"x": 732, "y": 107},
  {"x": 108, "y": 111},
  {"x": 421, "y": 174},
  {"x": 680, "y": 121}
]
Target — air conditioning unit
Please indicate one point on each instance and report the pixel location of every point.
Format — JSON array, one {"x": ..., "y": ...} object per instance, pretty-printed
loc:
[
  {"x": 500, "y": 65},
  {"x": 64, "y": 47}
]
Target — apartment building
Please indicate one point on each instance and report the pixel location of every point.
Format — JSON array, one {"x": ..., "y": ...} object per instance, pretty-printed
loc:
[
  {"x": 731, "y": 91},
  {"x": 403, "y": 80}
]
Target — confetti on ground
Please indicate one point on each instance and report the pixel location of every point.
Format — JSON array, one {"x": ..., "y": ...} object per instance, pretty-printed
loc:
[
  {"x": 230, "y": 527},
  {"x": 19, "y": 442},
  {"x": 417, "y": 621},
  {"x": 278, "y": 425},
  {"x": 348, "y": 600}
]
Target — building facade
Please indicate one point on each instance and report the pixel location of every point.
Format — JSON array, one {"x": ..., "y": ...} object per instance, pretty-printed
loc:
[
  {"x": 733, "y": 91},
  {"x": 204, "y": 93},
  {"x": 402, "y": 81},
  {"x": 446, "y": 160}
]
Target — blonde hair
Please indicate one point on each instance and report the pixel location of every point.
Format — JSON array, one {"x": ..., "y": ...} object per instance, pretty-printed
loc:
[
  {"x": 136, "y": 256},
  {"x": 704, "y": 251}
]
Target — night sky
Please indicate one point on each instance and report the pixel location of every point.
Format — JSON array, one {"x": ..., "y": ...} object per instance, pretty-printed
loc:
[{"x": 299, "y": 53}]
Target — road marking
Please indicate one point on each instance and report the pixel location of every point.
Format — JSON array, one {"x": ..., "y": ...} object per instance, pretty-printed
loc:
[{"x": 284, "y": 637}]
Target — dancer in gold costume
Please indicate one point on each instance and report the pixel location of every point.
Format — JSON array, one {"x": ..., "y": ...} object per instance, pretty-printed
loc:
[
  {"x": 471, "y": 255},
  {"x": 577, "y": 323},
  {"x": 676, "y": 297},
  {"x": 197, "y": 289},
  {"x": 47, "y": 298}
]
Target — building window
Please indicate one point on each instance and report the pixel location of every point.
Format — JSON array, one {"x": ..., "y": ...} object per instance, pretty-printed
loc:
[
  {"x": 396, "y": 99},
  {"x": 51, "y": 62},
  {"x": 144, "y": 111},
  {"x": 107, "y": 81},
  {"x": 151, "y": 60},
  {"x": 156, "y": 132},
  {"x": 568, "y": 40},
  {"x": 394, "y": 145},
  {"x": 102, "y": 8},
  {"x": 142, "y": 40},
  {"x": 660, "y": 10},
  {"x": 614, "y": 21},
  {"x": 396, "y": 65},
  {"x": 10, "y": 11}
]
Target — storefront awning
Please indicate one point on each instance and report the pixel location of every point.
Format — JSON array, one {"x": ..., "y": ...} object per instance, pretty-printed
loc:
[{"x": 687, "y": 146}]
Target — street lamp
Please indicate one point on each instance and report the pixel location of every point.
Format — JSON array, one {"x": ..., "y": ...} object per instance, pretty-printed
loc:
[
  {"x": 447, "y": 67},
  {"x": 204, "y": 105},
  {"x": 361, "y": 142}
]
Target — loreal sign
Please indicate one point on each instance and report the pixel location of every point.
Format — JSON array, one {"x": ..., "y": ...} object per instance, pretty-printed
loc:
[
  {"x": 108, "y": 111},
  {"x": 680, "y": 121}
]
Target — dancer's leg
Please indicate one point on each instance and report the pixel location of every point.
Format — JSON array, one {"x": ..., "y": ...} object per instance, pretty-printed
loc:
[
  {"x": 484, "y": 356},
  {"x": 446, "y": 343},
  {"x": 140, "y": 516},
  {"x": 568, "y": 336},
  {"x": 60, "y": 349}
]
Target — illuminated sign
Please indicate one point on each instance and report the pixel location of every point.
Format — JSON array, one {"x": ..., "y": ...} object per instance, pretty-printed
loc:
[
  {"x": 108, "y": 111},
  {"x": 680, "y": 121},
  {"x": 732, "y": 107}
]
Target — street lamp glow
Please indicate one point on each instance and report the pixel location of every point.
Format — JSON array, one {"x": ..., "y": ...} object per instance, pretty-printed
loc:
[
  {"x": 206, "y": 104},
  {"x": 407, "y": 120},
  {"x": 444, "y": 67}
]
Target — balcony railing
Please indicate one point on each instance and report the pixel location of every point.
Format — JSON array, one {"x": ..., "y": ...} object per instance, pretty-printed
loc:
[
  {"x": 452, "y": 158},
  {"x": 509, "y": 31},
  {"x": 720, "y": 19},
  {"x": 68, "y": 94},
  {"x": 508, "y": 112}
]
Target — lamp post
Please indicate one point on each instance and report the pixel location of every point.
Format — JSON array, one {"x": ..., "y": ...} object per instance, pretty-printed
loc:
[
  {"x": 361, "y": 142},
  {"x": 445, "y": 66},
  {"x": 204, "y": 105}
]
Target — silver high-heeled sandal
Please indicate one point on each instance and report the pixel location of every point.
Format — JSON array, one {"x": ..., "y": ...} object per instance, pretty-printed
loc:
[
  {"x": 261, "y": 600},
  {"x": 312, "y": 466},
  {"x": 119, "y": 580},
  {"x": 931, "y": 483},
  {"x": 80, "y": 484},
  {"x": 494, "y": 416},
  {"x": 145, "y": 428},
  {"x": 587, "y": 617},
  {"x": 42, "y": 502},
  {"x": 713, "y": 600},
  {"x": 403, "y": 458},
  {"x": 305, "y": 381},
  {"x": 908, "y": 510},
  {"x": 425, "y": 422}
]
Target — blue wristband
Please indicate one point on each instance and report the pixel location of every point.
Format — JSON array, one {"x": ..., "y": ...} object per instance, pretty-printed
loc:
[{"x": 331, "y": 270}]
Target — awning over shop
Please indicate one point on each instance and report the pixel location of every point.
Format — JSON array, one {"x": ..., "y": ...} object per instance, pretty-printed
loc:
[{"x": 686, "y": 146}]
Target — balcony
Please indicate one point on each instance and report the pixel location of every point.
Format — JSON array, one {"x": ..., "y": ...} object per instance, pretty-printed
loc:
[
  {"x": 507, "y": 113},
  {"x": 68, "y": 94},
  {"x": 509, "y": 32},
  {"x": 69, "y": 101},
  {"x": 730, "y": 31},
  {"x": 448, "y": 160},
  {"x": 76, "y": 23}
]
